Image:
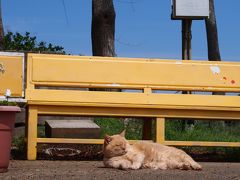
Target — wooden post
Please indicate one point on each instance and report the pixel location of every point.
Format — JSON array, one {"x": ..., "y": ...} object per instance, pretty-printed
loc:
[
  {"x": 160, "y": 130},
  {"x": 186, "y": 39},
  {"x": 32, "y": 133},
  {"x": 186, "y": 50}
]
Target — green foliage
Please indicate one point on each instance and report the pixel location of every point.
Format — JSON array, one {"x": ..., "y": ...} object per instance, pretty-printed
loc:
[
  {"x": 6, "y": 103},
  {"x": 202, "y": 131},
  {"x": 110, "y": 125},
  {"x": 116, "y": 125},
  {"x": 41, "y": 131},
  {"x": 19, "y": 143},
  {"x": 18, "y": 42}
]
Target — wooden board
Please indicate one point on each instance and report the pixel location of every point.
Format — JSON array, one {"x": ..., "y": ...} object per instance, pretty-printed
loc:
[
  {"x": 11, "y": 75},
  {"x": 78, "y": 71}
]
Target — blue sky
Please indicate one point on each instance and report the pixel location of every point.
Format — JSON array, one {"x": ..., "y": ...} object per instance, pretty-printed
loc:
[{"x": 143, "y": 27}]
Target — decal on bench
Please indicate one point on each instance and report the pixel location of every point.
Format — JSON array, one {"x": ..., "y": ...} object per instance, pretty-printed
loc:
[{"x": 215, "y": 69}]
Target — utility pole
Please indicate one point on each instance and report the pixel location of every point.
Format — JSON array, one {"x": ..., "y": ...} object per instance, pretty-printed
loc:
[
  {"x": 187, "y": 11},
  {"x": 186, "y": 39},
  {"x": 186, "y": 54}
]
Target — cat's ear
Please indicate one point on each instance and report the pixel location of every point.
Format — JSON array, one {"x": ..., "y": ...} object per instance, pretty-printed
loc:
[
  {"x": 123, "y": 133},
  {"x": 107, "y": 138}
]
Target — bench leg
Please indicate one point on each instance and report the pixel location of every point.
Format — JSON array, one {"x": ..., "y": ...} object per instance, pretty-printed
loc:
[
  {"x": 160, "y": 130},
  {"x": 32, "y": 134}
]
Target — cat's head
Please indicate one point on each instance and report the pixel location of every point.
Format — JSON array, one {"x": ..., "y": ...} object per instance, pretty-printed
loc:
[{"x": 115, "y": 145}]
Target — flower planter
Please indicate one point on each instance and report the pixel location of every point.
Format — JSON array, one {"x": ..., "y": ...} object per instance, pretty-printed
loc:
[{"x": 7, "y": 120}]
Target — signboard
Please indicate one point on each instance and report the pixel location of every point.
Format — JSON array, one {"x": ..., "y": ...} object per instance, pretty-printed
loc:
[
  {"x": 190, "y": 9},
  {"x": 11, "y": 74}
]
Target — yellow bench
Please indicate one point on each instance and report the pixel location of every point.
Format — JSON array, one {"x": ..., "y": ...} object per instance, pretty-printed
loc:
[{"x": 147, "y": 75}]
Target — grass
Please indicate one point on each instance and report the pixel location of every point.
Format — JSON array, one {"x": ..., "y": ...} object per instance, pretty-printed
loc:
[
  {"x": 116, "y": 125},
  {"x": 203, "y": 131},
  {"x": 41, "y": 131},
  {"x": 19, "y": 143}
]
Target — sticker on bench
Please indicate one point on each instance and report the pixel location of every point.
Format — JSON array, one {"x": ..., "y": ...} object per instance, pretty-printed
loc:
[{"x": 215, "y": 69}]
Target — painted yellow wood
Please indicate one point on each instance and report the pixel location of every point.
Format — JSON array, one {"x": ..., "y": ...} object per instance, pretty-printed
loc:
[
  {"x": 74, "y": 141},
  {"x": 136, "y": 111},
  {"x": 69, "y": 141},
  {"x": 202, "y": 143},
  {"x": 123, "y": 99},
  {"x": 32, "y": 133},
  {"x": 135, "y": 73},
  {"x": 160, "y": 130},
  {"x": 11, "y": 75},
  {"x": 29, "y": 83},
  {"x": 147, "y": 90},
  {"x": 57, "y": 71}
]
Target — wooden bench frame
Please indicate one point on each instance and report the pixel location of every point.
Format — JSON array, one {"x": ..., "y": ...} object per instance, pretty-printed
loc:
[{"x": 126, "y": 73}]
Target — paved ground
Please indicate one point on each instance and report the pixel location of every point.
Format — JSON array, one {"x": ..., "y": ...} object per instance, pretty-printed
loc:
[{"x": 87, "y": 170}]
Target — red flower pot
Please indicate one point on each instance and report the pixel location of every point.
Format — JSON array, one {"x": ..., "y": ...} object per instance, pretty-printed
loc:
[{"x": 7, "y": 120}]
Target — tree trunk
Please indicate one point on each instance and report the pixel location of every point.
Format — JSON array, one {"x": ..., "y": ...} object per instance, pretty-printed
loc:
[
  {"x": 1, "y": 29},
  {"x": 212, "y": 34},
  {"x": 103, "y": 28},
  {"x": 212, "y": 39},
  {"x": 186, "y": 55}
]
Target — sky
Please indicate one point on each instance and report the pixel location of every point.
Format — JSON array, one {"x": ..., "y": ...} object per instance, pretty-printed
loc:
[{"x": 144, "y": 28}]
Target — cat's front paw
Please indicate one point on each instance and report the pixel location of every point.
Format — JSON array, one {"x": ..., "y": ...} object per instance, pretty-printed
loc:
[
  {"x": 136, "y": 166},
  {"x": 125, "y": 165}
]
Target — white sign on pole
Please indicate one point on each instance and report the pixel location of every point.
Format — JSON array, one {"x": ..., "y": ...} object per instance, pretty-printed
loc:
[{"x": 190, "y": 9}]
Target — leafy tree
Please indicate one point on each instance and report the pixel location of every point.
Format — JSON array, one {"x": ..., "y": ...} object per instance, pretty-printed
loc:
[{"x": 18, "y": 42}]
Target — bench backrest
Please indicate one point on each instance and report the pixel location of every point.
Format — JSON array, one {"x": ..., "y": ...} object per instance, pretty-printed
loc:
[
  {"x": 12, "y": 74},
  {"x": 151, "y": 74}
]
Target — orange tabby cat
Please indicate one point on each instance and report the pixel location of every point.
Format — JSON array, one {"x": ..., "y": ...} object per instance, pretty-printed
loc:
[{"x": 118, "y": 153}]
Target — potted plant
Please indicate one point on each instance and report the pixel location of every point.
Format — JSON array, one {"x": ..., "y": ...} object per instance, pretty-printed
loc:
[{"x": 8, "y": 112}]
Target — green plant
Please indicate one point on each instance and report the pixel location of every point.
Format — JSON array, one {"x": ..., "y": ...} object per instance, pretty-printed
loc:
[
  {"x": 7, "y": 103},
  {"x": 19, "y": 142},
  {"x": 202, "y": 132},
  {"x": 116, "y": 125}
]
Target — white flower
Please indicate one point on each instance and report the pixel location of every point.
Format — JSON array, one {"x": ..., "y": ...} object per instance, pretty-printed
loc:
[{"x": 8, "y": 93}]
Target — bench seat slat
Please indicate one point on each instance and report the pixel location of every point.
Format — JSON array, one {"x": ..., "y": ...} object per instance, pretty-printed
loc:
[{"x": 123, "y": 99}]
